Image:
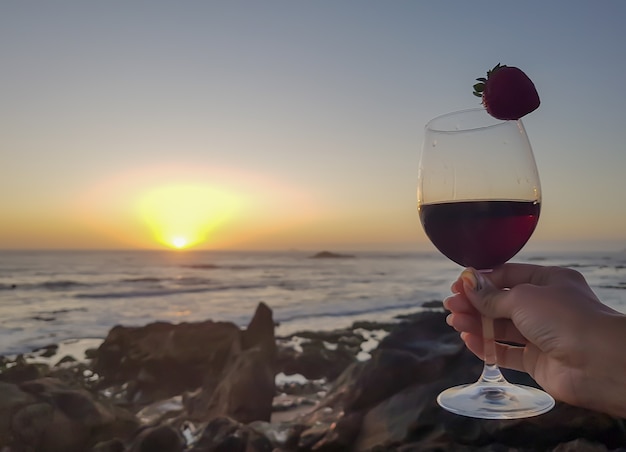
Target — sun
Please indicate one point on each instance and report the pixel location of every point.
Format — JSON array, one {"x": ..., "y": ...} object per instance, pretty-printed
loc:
[
  {"x": 184, "y": 216},
  {"x": 179, "y": 242}
]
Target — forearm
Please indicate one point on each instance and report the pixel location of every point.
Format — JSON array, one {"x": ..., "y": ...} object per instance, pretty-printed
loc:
[{"x": 607, "y": 374}]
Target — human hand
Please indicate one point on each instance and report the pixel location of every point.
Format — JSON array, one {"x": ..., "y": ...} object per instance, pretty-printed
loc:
[{"x": 549, "y": 323}]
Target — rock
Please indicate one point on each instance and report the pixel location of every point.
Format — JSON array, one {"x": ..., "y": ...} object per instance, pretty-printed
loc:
[
  {"x": 112, "y": 445},
  {"x": 287, "y": 407},
  {"x": 66, "y": 359},
  {"x": 223, "y": 434},
  {"x": 561, "y": 425},
  {"x": 260, "y": 332},
  {"x": 48, "y": 416},
  {"x": 433, "y": 304},
  {"x": 161, "y": 410},
  {"x": 424, "y": 335},
  {"x": 413, "y": 353},
  {"x": 318, "y": 355},
  {"x": 330, "y": 255},
  {"x": 158, "y": 439},
  {"x": 390, "y": 421},
  {"x": 244, "y": 393},
  {"x": 91, "y": 353},
  {"x": 282, "y": 435},
  {"x": 161, "y": 360},
  {"x": 75, "y": 374},
  {"x": 29, "y": 427},
  {"x": 23, "y": 371},
  {"x": 12, "y": 400},
  {"x": 335, "y": 436},
  {"x": 47, "y": 351},
  {"x": 386, "y": 403},
  {"x": 373, "y": 325},
  {"x": 368, "y": 383},
  {"x": 315, "y": 361},
  {"x": 580, "y": 445},
  {"x": 389, "y": 403},
  {"x": 245, "y": 387}
]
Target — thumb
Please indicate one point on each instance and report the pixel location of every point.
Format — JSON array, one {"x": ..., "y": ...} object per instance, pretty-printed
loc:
[{"x": 484, "y": 296}]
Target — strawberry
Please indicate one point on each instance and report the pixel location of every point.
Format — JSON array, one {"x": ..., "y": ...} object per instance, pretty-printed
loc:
[{"x": 507, "y": 92}]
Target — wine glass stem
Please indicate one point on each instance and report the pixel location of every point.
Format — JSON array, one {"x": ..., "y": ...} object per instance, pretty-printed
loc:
[
  {"x": 491, "y": 372},
  {"x": 489, "y": 344}
]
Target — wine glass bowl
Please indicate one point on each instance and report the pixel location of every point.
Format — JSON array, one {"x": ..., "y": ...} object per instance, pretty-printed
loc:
[{"x": 479, "y": 201}]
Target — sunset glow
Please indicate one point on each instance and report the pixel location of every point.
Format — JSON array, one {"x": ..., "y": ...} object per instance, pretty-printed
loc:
[{"x": 182, "y": 216}]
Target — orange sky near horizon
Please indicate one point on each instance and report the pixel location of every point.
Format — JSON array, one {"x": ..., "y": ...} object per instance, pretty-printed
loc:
[{"x": 194, "y": 208}]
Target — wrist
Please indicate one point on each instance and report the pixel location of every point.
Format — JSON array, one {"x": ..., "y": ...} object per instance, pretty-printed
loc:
[{"x": 607, "y": 372}]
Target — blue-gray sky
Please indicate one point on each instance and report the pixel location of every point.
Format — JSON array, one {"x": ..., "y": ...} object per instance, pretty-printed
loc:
[{"x": 281, "y": 124}]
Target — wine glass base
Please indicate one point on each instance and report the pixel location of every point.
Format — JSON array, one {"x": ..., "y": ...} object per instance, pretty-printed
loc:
[{"x": 503, "y": 400}]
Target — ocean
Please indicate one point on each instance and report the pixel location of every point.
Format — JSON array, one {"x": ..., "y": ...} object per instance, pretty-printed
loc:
[{"x": 47, "y": 297}]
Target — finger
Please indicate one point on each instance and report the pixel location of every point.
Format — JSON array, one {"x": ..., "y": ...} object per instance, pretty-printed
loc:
[
  {"x": 487, "y": 299},
  {"x": 459, "y": 303},
  {"x": 511, "y": 275},
  {"x": 507, "y": 356},
  {"x": 504, "y": 330},
  {"x": 465, "y": 323},
  {"x": 457, "y": 286}
]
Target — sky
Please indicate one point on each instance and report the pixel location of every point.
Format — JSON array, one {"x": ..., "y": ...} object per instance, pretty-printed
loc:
[{"x": 290, "y": 125}]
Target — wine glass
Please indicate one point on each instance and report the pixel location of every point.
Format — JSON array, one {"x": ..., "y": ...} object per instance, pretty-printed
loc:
[{"x": 479, "y": 200}]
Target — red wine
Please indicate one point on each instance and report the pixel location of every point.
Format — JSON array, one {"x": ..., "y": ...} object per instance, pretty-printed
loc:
[{"x": 480, "y": 234}]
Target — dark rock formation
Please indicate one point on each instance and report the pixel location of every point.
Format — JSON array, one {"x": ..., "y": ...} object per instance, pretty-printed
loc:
[
  {"x": 21, "y": 370},
  {"x": 223, "y": 434},
  {"x": 245, "y": 386},
  {"x": 321, "y": 354},
  {"x": 331, "y": 255},
  {"x": 245, "y": 391},
  {"x": 161, "y": 359},
  {"x": 46, "y": 415},
  {"x": 220, "y": 381}
]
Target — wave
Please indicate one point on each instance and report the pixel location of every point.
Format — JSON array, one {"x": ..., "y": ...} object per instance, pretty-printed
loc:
[
  {"x": 620, "y": 285},
  {"x": 142, "y": 279},
  {"x": 238, "y": 267},
  {"x": 190, "y": 281},
  {"x": 162, "y": 292},
  {"x": 60, "y": 284},
  {"x": 65, "y": 310},
  {"x": 51, "y": 316},
  {"x": 138, "y": 294},
  {"x": 348, "y": 313},
  {"x": 184, "y": 280},
  {"x": 201, "y": 266},
  {"x": 53, "y": 285},
  {"x": 583, "y": 265}
]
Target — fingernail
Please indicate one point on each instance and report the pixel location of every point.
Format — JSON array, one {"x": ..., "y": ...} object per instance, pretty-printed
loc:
[
  {"x": 449, "y": 319},
  {"x": 445, "y": 303},
  {"x": 472, "y": 279}
]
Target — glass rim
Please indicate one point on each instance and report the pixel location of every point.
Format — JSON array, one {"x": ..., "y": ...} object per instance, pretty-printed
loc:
[{"x": 493, "y": 122}]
